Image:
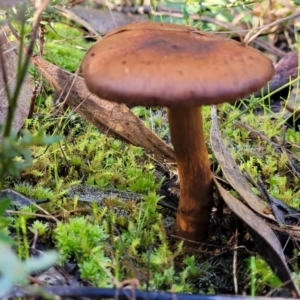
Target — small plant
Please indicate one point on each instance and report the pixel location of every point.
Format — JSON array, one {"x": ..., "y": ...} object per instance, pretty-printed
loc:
[
  {"x": 78, "y": 237},
  {"x": 39, "y": 227},
  {"x": 15, "y": 156},
  {"x": 261, "y": 276}
]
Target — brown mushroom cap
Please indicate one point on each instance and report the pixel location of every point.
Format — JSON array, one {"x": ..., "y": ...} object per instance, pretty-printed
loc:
[{"x": 172, "y": 65}]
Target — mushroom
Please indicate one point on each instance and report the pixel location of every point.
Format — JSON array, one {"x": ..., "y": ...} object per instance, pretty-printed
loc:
[{"x": 182, "y": 69}]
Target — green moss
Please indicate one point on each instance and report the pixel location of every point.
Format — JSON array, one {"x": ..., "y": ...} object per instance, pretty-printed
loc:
[
  {"x": 105, "y": 161},
  {"x": 103, "y": 252},
  {"x": 64, "y": 46}
]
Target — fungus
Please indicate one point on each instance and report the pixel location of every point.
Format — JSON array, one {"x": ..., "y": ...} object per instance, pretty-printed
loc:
[{"x": 182, "y": 69}]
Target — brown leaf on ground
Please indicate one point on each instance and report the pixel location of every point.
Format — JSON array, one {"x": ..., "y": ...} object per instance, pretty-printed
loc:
[
  {"x": 231, "y": 171},
  {"x": 11, "y": 59},
  {"x": 264, "y": 237},
  {"x": 111, "y": 118}
]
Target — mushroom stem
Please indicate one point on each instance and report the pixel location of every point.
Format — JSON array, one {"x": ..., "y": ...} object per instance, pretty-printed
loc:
[{"x": 196, "y": 195}]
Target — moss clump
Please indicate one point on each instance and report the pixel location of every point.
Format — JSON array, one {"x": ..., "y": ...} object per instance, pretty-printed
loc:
[{"x": 64, "y": 46}]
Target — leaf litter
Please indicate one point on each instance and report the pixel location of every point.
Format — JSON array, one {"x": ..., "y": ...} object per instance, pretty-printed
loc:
[{"x": 264, "y": 237}]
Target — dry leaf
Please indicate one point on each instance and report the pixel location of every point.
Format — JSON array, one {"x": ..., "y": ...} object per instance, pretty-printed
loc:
[
  {"x": 9, "y": 51},
  {"x": 262, "y": 234},
  {"x": 264, "y": 237},
  {"x": 231, "y": 170},
  {"x": 111, "y": 118}
]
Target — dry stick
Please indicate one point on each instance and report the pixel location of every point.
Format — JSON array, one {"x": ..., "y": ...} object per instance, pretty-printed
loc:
[
  {"x": 72, "y": 16},
  {"x": 44, "y": 211},
  {"x": 35, "y": 93},
  {"x": 38, "y": 87},
  {"x": 293, "y": 230},
  {"x": 234, "y": 263},
  {"x": 148, "y": 266},
  {"x": 67, "y": 213},
  {"x": 283, "y": 150},
  {"x": 34, "y": 280},
  {"x": 40, "y": 6},
  {"x": 35, "y": 238},
  {"x": 48, "y": 216},
  {"x": 41, "y": 39},
  {"x": 74, "y": 76},
  {"x": 111, "y": 15},
  {"x": 251, "y": 35},
  {"x": 257, "y": 133},
  {"x": 3, "y": 40},
  {"x": 292, "y": 110},
  {"x": 284, "y": 136}
]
